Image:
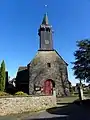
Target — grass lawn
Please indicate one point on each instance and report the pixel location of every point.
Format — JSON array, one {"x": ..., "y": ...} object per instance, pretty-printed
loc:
[{"x": 66, "y": 99}]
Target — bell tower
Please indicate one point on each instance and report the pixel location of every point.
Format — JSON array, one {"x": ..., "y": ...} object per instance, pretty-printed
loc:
[{"x": 45, "y": 34}]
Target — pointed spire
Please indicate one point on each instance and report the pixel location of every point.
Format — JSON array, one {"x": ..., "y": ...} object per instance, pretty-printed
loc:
[{"x": 45, "y": 19}]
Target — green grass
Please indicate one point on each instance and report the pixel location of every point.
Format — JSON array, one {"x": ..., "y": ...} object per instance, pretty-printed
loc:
[{"x": 67, "y": 99}]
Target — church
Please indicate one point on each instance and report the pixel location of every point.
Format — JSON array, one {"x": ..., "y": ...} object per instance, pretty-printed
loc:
[{"x": 47, "y": 71}]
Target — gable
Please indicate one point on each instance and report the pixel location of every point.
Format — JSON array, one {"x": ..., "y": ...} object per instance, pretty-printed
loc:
[{"x": 50, "y": 55}]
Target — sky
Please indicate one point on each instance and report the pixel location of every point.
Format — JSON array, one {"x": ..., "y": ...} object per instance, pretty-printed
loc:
[{"x": 19, "y": 23}]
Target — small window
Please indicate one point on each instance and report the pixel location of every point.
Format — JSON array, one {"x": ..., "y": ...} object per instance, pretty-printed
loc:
[
  {"x": 49, "y": 64},
  {"x": 47, "y": 29},
  {"x": 42, "y": 29}
]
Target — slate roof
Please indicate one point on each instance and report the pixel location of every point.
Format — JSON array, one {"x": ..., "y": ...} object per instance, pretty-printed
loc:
[
  {"x": 21, "y": 68},
  {"x": 45, "y": 20}
]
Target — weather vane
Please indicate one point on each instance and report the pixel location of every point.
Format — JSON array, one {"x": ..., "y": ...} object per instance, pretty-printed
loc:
[
  {"x": 46, "y": 8},
  {"x": 45, "y": 5}
]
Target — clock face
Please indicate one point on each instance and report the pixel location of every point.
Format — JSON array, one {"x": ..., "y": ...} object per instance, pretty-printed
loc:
[{"x": 46, "y": 41}]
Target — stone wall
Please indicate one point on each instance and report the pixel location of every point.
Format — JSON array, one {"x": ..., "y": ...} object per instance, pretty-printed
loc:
[{"x": 16, "y": 105}]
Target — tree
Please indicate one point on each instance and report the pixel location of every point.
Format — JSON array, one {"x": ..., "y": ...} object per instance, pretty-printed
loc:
[
  {"x": 2, "y": 76},
  {"x": 82, "y": 61}
]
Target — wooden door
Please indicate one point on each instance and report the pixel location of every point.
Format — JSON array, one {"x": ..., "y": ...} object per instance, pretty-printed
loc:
[{"x": 48, "y": 87}]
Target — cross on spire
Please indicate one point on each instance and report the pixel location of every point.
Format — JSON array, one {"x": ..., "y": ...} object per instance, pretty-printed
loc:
[
  {"x": 45, "y": 34},
  {"x": 46, "y": 8},
  {"x": 45, "y": 18}
]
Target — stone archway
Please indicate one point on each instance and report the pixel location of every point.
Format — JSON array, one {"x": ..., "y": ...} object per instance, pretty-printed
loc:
[{"x": 48, "y": 86}]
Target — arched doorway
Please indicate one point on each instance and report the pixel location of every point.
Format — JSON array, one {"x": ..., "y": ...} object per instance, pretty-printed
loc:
[{"x": 48, "y": 87}]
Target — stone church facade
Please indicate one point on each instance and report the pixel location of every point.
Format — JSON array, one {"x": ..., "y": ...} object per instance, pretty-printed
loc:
[{"x": 47, "y": 72}]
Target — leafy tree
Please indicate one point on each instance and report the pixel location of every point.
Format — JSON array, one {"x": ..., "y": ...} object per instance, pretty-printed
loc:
[
  {"x": 2, "y": 76},
  {"x": 82, "y": 61}
]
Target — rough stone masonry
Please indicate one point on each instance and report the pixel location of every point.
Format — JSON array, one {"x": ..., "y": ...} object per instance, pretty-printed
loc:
[{"x": 17, "y": 105}]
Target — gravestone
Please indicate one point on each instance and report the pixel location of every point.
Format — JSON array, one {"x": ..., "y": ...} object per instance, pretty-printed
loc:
[
  {"x": 80, "y": 91},
  {"x": 54, "y": 92}
]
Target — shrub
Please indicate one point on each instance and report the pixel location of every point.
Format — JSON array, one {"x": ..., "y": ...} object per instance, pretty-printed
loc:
[
  {"x": 20, "y": 93},
  {"x": 88, "y": 92},
  {"x": 71, "y": 92},
  {"x": 3, "y": 93}
]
